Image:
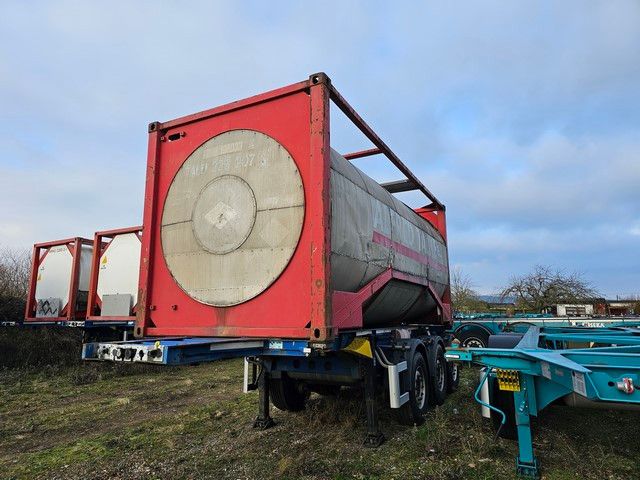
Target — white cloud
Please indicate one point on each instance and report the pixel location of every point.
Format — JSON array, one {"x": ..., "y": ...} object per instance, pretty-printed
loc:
[{"x": 522, "y": 117}]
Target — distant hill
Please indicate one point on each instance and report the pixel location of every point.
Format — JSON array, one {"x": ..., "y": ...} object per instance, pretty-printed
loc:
[{"x": 496, "y": 299}]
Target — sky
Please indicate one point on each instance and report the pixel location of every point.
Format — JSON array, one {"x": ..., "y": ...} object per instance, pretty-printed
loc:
[{"x": 522, "y": 117}]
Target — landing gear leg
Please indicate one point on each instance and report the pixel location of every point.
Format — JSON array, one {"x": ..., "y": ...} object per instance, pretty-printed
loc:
[
  {"x": 264, "y": 420},
  {"x": 374, "y": 437},
  {"x": 526, "y": 463}
]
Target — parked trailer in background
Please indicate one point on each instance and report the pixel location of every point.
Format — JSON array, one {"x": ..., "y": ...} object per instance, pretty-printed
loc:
[
  {"x": 113, "y": 290},
  {"x": 87, "y": 284},
  {"x": 523, "y": 373},
  {"x": 59, "y": 282},
  {"x": 260, "y": 241},
  {"x": 475, "y": 330}
]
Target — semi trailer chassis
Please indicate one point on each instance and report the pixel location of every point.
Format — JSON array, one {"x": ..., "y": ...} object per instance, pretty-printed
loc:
[
  {"x": 531, "y": 371},
  {"x": 474, "y": 330},
  {"x": 407, "y": 364}
]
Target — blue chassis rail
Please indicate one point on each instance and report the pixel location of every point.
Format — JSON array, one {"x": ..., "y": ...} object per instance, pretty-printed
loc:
[
  {"x": 549, "y": 369},
  {"x": 184, "y": 351},
  {"x": 189, "y": 350}
]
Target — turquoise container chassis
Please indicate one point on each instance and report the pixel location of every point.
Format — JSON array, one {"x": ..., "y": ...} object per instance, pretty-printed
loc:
[{"x": 548, "y": 369}]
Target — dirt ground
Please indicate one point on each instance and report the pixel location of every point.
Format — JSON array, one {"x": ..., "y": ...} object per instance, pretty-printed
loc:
[{"x": 131, "y": 422}]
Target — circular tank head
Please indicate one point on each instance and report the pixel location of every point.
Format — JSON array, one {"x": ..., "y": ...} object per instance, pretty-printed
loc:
[
  {"x": 232, "y": 217},
  {"x": 224, "y": 228}
]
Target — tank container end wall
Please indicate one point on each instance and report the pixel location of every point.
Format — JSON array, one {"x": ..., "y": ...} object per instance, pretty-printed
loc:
[{"x": 59, "y": 276}]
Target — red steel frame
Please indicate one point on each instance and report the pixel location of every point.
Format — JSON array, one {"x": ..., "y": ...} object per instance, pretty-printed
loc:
[
  {"x": 69, "y": 310},
  {"x": 100, "y": 246},
  {"x": 297, "y": 116}
]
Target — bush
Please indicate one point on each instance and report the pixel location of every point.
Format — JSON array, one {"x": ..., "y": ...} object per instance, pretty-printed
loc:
[{"x": 29, "y": 347}]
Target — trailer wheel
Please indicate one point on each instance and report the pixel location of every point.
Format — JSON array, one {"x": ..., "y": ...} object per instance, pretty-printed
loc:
[
  {"x": 417, "y": 383},
  {"x": 503, "y": 401},
  {"x": 287, "y": 394},
  {"x": 453, "y": 376},
  {"x": 473, "y": 337},
  {"x": 440, "y": 377}
]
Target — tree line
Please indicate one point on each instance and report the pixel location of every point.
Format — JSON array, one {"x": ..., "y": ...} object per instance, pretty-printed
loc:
[
  {"x": 14, "y": 283},
  {"x": 535, "y": 291}
]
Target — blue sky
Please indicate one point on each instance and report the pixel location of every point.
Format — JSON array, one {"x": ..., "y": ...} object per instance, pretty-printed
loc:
[{"x": 523, "y": 117}]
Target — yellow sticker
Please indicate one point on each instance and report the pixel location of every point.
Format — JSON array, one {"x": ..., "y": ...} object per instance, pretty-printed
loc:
[{"x": 104, "y": 259}]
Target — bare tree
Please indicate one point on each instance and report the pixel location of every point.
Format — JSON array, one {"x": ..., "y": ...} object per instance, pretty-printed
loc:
[
  {"x": 463, "y": 297},
  {"x": 546, "y": 286},
  {"x": 14, "y": 282}
]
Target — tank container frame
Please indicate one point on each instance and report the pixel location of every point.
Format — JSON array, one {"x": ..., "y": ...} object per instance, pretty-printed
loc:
[{"x": 298, "y": 117}]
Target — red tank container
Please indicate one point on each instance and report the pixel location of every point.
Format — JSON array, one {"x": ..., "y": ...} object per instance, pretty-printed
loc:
[{"x": 242, "y": 205}]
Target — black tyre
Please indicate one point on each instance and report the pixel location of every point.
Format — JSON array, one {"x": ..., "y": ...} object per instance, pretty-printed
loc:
[
  {"x": 453, "y": 376},
  {"x": 440, "y": 377},
  {"x": 416, "y": 381},
  {"x": 287, "y": 394},
  {"x": 504, "y": 401},
  {"x": 325, "y": 390},
  {"x": 473, "y": 337}
]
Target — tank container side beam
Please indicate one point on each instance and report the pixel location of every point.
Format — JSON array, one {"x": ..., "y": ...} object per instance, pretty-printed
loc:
[
  {"x": 38, "y": 254},
  {"x": 352, "y": 115},
  {"x": 229, "y": 107},
  {"x": 362, "y": 153},
  {"x": 398, "y": 186},
  {"x": 99, "y": 248}
]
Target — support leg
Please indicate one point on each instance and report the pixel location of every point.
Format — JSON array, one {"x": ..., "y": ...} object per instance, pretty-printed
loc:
[
  {"x": 264, "y": 420},
  {"x": 374, "y": 437},
  {"x": 527, "y": 463}
]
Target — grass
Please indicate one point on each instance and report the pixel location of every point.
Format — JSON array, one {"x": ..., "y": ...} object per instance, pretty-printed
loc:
[{"x": 97, "y": 421}]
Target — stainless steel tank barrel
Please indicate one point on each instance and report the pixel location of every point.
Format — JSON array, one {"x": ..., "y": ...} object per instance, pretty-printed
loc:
[{"x": 371, "y": 230}]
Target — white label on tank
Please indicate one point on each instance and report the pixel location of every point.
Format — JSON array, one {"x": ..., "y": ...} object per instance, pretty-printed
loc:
[
  {"x": 579, "y": 386},
  {"x": 546, "y": 370},
  {"x": 275, "y": 345}
]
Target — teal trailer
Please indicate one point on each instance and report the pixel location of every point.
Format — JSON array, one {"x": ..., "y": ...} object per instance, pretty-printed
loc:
[
  {"x": 524, "y": 373},
  {"x": 474, "y": 330}
]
